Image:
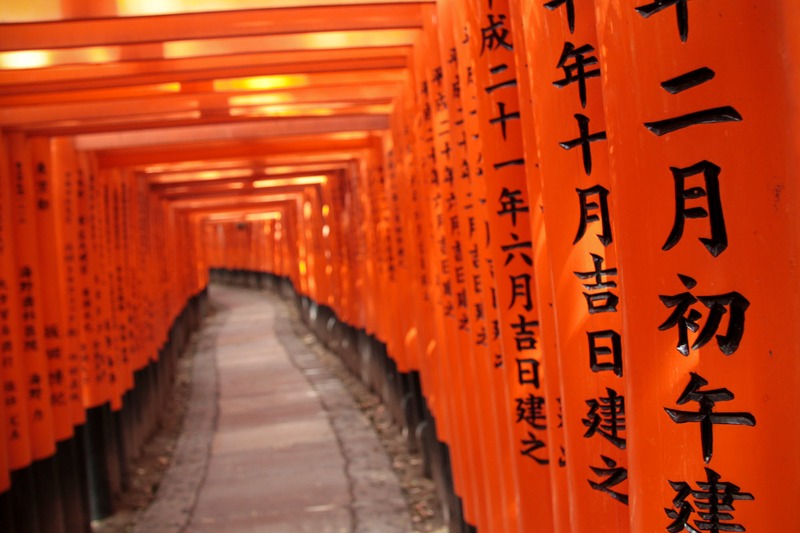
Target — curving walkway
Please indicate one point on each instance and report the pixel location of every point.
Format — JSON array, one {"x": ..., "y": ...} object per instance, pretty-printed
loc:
[{"x": 272, "y": 442}]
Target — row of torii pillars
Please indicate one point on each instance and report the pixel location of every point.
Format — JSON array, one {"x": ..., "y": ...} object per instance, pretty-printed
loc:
[{"x": 560, "y": 241}]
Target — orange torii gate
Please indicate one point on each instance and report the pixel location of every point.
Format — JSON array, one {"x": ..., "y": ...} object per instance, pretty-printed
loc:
[{"x": 556, "y": 236}]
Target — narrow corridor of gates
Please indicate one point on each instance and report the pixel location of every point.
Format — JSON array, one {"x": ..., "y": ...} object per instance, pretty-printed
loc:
[{"x": 559, "y": 238}]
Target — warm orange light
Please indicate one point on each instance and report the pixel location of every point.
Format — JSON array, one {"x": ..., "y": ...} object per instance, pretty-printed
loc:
[
  {"x": 26, "y": 59},
  {"x": 274, "y": 215},
  {"x": 260, "y": 83},
  {"x": 280, "y": 111},
  {"x": 174, "y": 87},
  {"x": 207, "y": 175},
  {"x": 316, "y": 110},
  {"x": 224, "y": 202},
  {"x": 48, "y": 58},
  {"x": 30, "y": 10},
  {"x": 189, "y": 188},
  {"x": 127, "y": 8},
  {"x": 259, "y": 99},
  {"x": 349, "y": 39},
  {"x": 247, "y": 214},
  {"x": 287, "y": 182},
  {"x": 163, "y": 117},
  {"x": 195, "y": 165},
  {"x": 101, "y": 54},
  {"x": 293, "y": 169},
  {"x": 219, "y": 217},
  {"x": 156, "y": 7},
  {"x": 328, "y": 40}
]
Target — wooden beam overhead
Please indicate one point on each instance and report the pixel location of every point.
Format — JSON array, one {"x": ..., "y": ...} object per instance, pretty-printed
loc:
[
  {"x": 132, "y": 73},
  {"x": 38, "y": 11},
  {"x": 228, "y": 149},
  {"x": 274, "y": 87},
  {"x": 312, "y": 87},
  {"x": 235, "y": 201},
  {"x": 277, "y": 127},
  {"x": 206, "y": 25},
  {"x": 196, "y": 48}
]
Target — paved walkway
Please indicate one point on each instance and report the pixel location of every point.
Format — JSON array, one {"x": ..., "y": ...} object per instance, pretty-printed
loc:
[{"x": 272, "y": 442}]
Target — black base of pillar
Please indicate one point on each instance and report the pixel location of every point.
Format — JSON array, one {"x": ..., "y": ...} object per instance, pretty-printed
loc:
[
  {"x": 96, "y": 456},
  {"x": 455, "y": 517},
  {"x": 48, "y": 495},
  {"x": 129, "y": 426},
  {"x": 443, "y": 475},
  {"x": 152, "y": 399},
  {"x": 118, "y": 419},
  {"x": 76, "y": 519},
  {"x": 23, "y": 500},
  {"x": 7, "y": 523},
  {"x": 83, "y": 479},
  {"x": 112, "y": 450}
]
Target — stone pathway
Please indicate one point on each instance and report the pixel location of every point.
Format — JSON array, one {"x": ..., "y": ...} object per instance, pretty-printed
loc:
[{"x": 272, "y": 442}]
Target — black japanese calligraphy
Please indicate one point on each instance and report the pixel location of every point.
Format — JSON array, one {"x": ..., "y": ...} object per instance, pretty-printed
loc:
[
  {"x": 681, "y": 13},
  {"x": 713, "y": 500},
  {"x": 511, "y": 203},
  {"x": 599, "y": 360},
  {"x": 707, "y": 116},
  {"x": 584, "y": 140},
  {"x": 574, "y": 61},
  {"x": 501, "y": 84},
  {"x": 530, "y": 409},
  {"x": 686, "y": 81},
  {"x": 528, "y": 372},
  {"x": 718, "y": 242},
  {"x": 495, "y": 34},
  {"x": 589, "y": 213},
  {"x": 600, "y": 300},
  {"x": 503, "y": 117},
  {"x": 706, "y": 416},
  {"x": 524, "y": 335},
  {"x": 530, "y": 446},
  {"x": 523, "y": 248},
  {"x": 614, "y": 475},
  {"x": 606, "y": 416},
  {"x": 684, "y": 318},
  {"x": 570, "y": 6},
  {"x": 521, "y": 288}
]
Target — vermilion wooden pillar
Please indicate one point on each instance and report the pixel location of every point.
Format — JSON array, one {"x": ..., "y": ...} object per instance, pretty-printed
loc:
[
  {"x": 542, "y": 274},
  {"x": 700, "y": 100},
  {"x": 49, "y": 230},
  {"x": 415, "y": 297},
  {"x": 476, "y": 314},
  {"x": 440, "y": 346},
  {"x": 448, "y": 156},
  {"x": 29, "y": 279},
  {"x": 578, "y": 212},
  {"x": 502, "y": 168},
  {"x": 16, "y": 425},
  {"x": 64, "y": 171}
]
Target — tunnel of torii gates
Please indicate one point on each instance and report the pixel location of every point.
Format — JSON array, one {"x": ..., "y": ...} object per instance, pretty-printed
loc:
[{"x": 560, "y": 237}]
